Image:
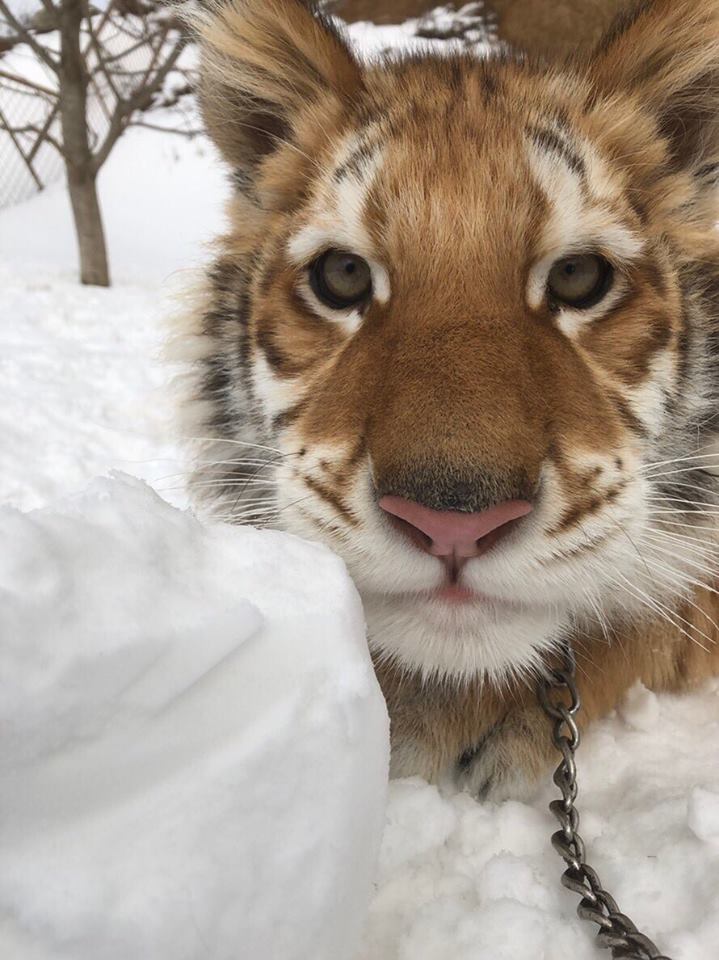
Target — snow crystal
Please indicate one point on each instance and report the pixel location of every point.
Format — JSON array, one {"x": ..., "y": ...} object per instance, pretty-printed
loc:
[
  {"x": 193, "y": 745},
  {"x": 429, "y": 34}
]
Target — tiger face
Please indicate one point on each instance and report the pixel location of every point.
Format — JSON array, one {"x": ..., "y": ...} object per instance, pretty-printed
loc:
[{"x": 462, "y": 328}]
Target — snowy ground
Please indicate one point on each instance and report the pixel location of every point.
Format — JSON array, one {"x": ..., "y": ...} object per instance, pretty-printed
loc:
[
  {"x": 81, "y": 364},
  {"x": 83, "y": 392}
]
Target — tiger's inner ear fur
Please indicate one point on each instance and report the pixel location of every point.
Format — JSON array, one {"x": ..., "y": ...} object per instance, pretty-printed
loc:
[
  {"x": 664, "y": 54},
  {"x": 265, "y": 63}
]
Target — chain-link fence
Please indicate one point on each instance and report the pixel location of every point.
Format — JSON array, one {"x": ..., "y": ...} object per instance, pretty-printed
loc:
[
  {"x": 29, "y": 123},
  {"x": 28, "y": 161}
]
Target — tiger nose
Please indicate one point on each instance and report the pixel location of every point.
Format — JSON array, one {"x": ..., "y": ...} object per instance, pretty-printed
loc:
[{"x": 447, "y": 533}]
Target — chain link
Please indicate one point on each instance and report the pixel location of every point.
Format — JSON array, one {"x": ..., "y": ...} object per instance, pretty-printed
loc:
[{"x": 560, "y": 700}]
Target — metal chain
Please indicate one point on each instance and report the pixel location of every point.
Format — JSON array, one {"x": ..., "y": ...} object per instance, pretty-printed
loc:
[{"x": 560, "y": 700}]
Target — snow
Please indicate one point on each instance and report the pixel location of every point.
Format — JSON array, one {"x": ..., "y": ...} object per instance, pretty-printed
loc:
[
  {"x": 83, "y": 365},
  {"x": 193, "y": 745},
  {"x": 480, "y": 881},
  {"x": 703, "y": 816},
  {"x": 372, "y": 41},
  {"x": 87, "y": 390},
  {"x": 150, "y": 804}
]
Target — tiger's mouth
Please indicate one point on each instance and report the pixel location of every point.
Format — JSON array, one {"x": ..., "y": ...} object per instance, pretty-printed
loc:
[{"x": 454, "y": 592}]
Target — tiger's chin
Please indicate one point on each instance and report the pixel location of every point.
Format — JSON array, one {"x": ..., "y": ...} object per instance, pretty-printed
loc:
[{"x": 456, "y": 634}]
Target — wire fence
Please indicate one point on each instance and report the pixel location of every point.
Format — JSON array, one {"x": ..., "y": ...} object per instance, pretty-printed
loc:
[
  {"x": 28, "y": 161},
  {"x": 29, "y": 108}
]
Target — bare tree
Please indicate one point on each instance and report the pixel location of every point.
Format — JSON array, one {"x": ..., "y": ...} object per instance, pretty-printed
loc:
[{"x": 85, "y": 50}]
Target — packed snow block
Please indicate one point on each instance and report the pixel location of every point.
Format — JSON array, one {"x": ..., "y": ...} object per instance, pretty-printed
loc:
[{"x": 193, "y": 745}]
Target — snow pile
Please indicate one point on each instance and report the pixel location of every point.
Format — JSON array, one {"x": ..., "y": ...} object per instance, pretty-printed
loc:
[
  {"x": 193, "y": 746},
  {"x": 480, "y": 881}
]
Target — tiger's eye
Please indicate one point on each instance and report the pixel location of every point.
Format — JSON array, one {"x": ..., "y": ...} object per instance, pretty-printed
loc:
[
  {"x": 580, "y": 281},
  {"x": 341, "y": 280}
]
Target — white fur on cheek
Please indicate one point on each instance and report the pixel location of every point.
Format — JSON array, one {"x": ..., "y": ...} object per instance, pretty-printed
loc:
[
  {"x": 276, "y": 394},
  {"x": 648, "y": 400}
]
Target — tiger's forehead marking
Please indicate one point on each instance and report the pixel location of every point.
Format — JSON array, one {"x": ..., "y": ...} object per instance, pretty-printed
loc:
[
  {"x": 552, "y": 140},
  {"x": 336, "y": 214},
  {"x": 359, "y": 156},
  {"x": 583, "y": 203}
]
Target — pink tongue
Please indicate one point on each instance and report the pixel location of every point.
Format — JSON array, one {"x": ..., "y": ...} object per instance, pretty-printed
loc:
[{"x": 453, "y": 532}]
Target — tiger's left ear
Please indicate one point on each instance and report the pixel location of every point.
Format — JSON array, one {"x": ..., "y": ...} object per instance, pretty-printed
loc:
[
  {"x": 264, "y": 65},
  {"x": 664, "y": 54}
]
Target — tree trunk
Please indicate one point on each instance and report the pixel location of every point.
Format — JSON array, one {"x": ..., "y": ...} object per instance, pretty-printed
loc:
[
  {"x": 89, "y": 231},
  {"x": 79, "y": 161}
]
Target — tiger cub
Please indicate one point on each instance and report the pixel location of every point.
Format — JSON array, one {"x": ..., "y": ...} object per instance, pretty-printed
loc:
[{"x": 463, "y": 329}]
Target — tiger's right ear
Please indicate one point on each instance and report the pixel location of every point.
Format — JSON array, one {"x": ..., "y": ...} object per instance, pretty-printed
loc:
[
  {"x": 665, "y": 55},
  {"x": 263, "y": 63}
]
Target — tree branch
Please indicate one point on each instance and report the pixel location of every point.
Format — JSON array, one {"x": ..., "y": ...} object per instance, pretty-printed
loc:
[
  {"x": 99, "y": 52},
  {"x": 44, "y": 132},
  {"x": 18, "y": 147},
  {"x": 125, "y": 52},
  {"x": 43, "y": 137},
  {"x": 177, "y": 131},
  {"x": 39, "y": 88},
  {"x": 140, "y": 99},
  {"x": 27, "y": 37}
]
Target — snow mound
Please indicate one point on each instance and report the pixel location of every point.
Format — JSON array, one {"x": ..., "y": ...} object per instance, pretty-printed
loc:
[{"x": 193, "y": 746}]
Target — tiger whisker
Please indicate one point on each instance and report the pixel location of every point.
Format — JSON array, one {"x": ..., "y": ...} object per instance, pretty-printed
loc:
[
  {"x": 706, "y": 471},
  {"x": 666, "y": 522},
  {"x": 711, "y": 572},
  {"x": 239, "y": 443},
  {"x": 662, "y": 511},
  {"x": 683, "y": 537},
  {"x": 234, "y": 482},
  {"x": 662, "y": 463},
  {"x": 690, "y": 503},
  {"x": 701, "y": 488},
  {"x": 664, "y": 612}
]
